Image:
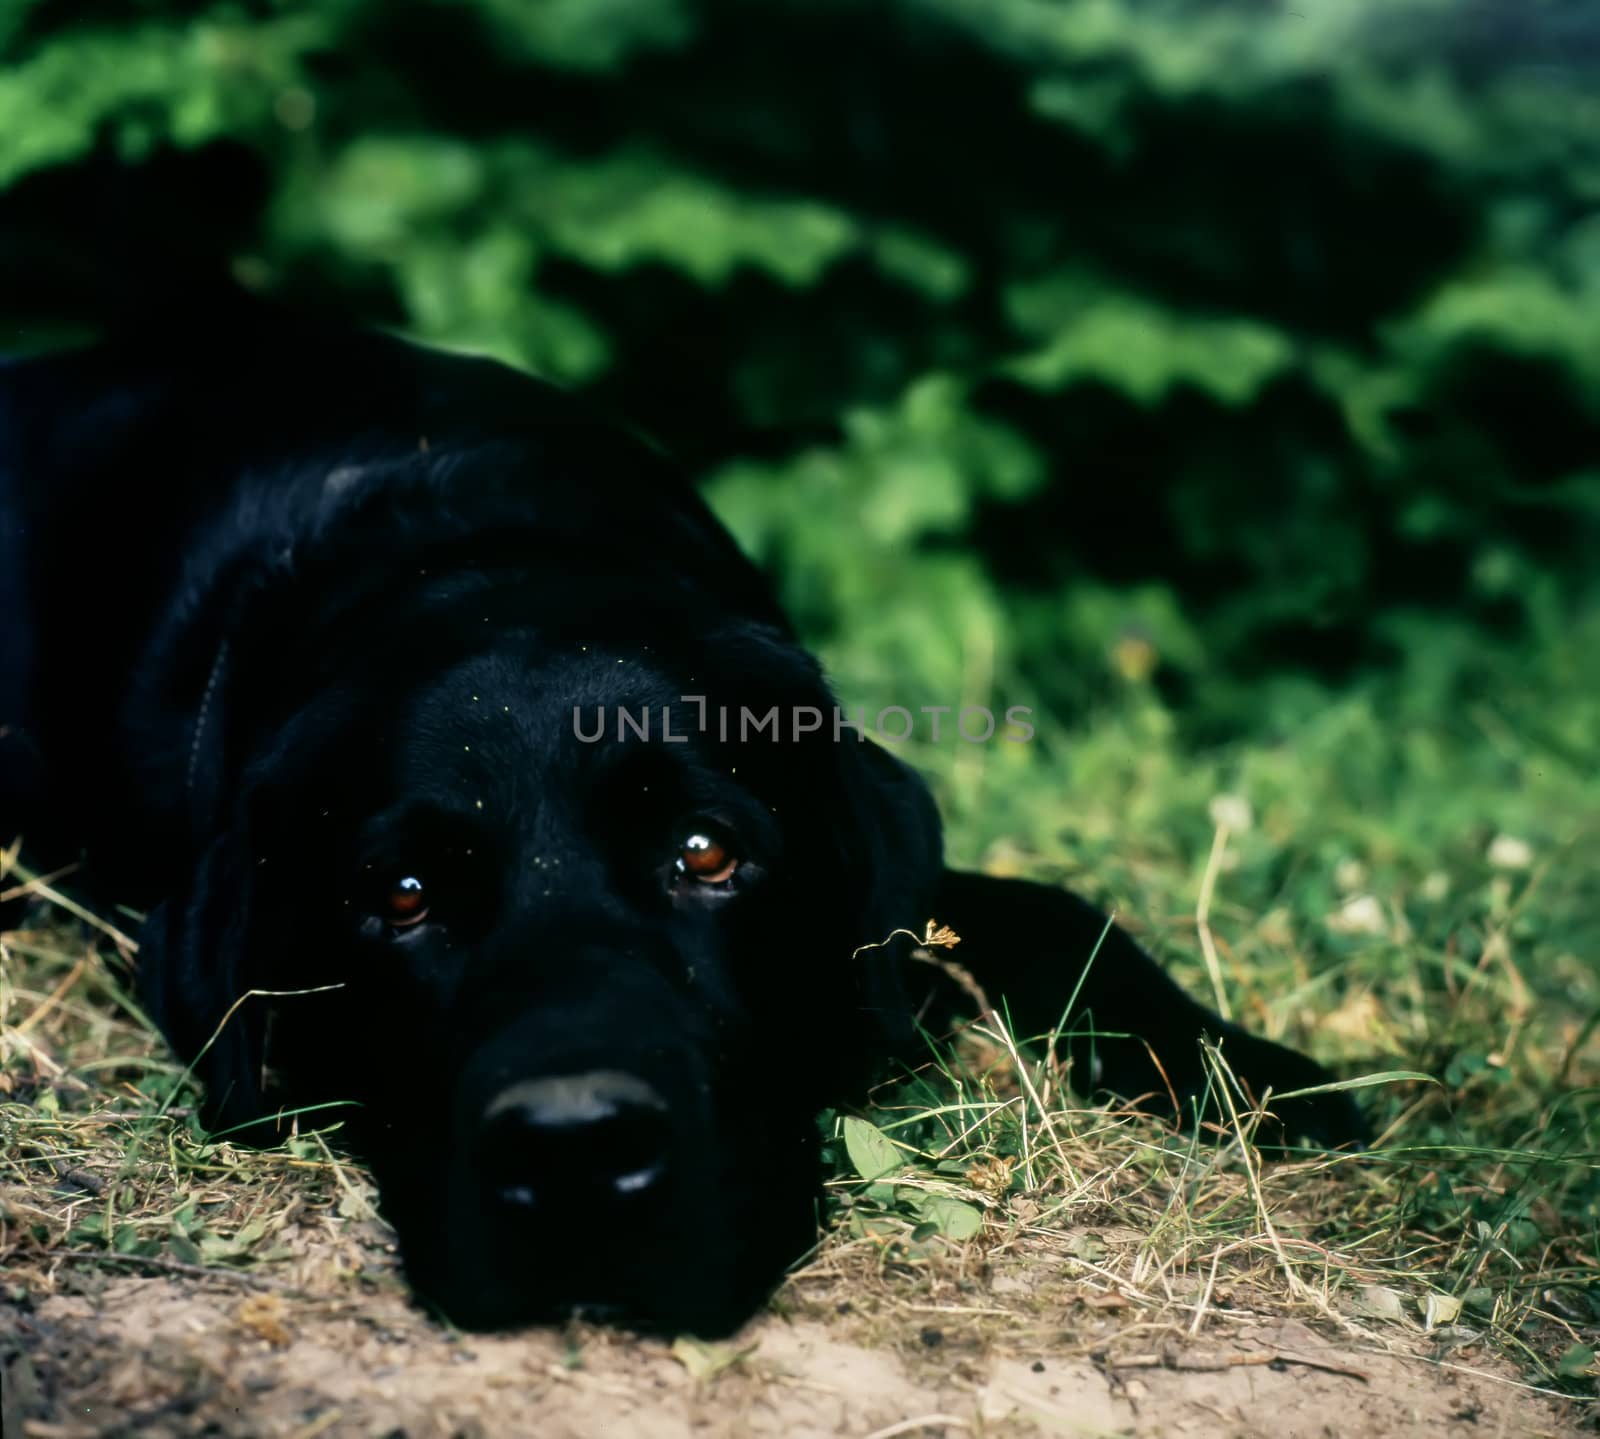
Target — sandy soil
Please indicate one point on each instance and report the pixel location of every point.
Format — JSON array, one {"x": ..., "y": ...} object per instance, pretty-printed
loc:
[{"x": 329, "y": 1345}]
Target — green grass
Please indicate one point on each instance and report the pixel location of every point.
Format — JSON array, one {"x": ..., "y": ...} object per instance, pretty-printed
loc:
[{"x": 1396, "y": 877}]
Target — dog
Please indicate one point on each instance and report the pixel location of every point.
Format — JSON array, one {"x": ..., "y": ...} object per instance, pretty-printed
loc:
[{"x": 393, "y": 685}]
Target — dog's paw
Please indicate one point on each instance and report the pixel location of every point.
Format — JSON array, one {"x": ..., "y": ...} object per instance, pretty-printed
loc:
[{"x": 1330, "y": 1120}]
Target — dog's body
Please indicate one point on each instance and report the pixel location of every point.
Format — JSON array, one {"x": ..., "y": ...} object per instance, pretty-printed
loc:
[{"x": 292, "y": 635}]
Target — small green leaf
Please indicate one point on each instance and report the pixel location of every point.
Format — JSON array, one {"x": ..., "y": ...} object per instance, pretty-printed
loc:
[
  {"x": 874, "y": 1226},
  {"x": 705, "y": 1361},
  {"x": 1380, "y": 1302},
  {"x": 91, "y": 1229},
  {"x": 214, "y": 1249},
  {"x": 1576, "y": 1363},
  {"x": 353, "y": 1204},
  {"x": 871, "y": 1151},
  {"x": 955, "y": 1218},
  {"x": 184, "y": 1247},
  {"x": 1087, "y": 1246},
  {"x": 1439, "y": 1309}
]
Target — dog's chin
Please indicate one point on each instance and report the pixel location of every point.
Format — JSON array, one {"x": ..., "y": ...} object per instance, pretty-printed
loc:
[
  {"x": 525, "y": 1308},
  {"x": 479, "y": 1296},
  {"x": 704, "y": 1266},
  {"x": 531, "y": 1311}
]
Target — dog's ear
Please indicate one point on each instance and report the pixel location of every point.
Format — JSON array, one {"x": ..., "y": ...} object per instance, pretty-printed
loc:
[
  {"x": 219, "y": 935},
  {"x": 196, "y": 974},
  {"x": 219, "y": 940},
  {"x": 858, "y": 804},
  {"x": 890, "y": 835}
]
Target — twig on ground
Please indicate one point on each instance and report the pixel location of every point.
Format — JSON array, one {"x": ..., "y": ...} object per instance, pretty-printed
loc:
[
  {"x": 1213, "y": 1363},
  {"x": 922, "y": 1421},
  {"x": 169, "y": 1266}
]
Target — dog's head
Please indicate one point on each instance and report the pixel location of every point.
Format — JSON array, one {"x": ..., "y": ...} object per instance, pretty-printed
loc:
[{"x": 566, "y": 864}]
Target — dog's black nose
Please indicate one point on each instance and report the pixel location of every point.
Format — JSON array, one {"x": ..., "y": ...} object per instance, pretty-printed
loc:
[{"x": 568, "y": 1140}]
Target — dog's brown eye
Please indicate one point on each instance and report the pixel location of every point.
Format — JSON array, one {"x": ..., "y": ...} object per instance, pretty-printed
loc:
[
  {"x": 706, "y": 859},
  {"x": 406, "y": 902}
]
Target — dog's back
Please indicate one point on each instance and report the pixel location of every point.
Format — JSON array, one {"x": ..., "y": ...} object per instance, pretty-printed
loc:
[
  {"x": 149, "y": 483},
  {"x": 21, "y": 780}
]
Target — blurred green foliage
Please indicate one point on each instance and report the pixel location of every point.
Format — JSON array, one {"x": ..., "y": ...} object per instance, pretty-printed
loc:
[{"x": 1224, "y": 353}]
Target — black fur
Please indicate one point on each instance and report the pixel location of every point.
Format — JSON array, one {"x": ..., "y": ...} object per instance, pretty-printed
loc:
[{"x": 287, "y": 614}]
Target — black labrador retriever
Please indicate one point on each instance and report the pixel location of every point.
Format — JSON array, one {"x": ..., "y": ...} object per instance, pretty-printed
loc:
[{"x": 393, "y": 683}]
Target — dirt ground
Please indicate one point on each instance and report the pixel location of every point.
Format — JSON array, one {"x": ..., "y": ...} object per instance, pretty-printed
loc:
[{"x": 330, "y": 1345}]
